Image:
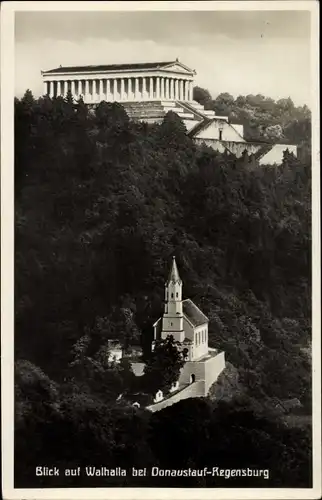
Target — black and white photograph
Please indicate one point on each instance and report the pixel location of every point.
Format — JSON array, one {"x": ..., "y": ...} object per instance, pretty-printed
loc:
[{"x": 160, "y": 193}]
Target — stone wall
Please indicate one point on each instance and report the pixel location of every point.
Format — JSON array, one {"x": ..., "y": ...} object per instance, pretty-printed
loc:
[
  {"x": 206, "y": 370},
  {"x": 213, "y": 368},
  {"x": 194, "y": 390},
  {"x": 233, "y": 147}
]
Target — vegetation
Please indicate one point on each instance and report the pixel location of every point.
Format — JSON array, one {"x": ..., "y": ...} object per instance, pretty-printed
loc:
[
  {"x": 102, "y": 203},
  {"x": 263, "y": 118},
  {"x": 163, "y": 366}
]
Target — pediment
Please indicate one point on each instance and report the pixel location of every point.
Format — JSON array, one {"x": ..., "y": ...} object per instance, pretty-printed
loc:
[{"x": 177, "y": 67}]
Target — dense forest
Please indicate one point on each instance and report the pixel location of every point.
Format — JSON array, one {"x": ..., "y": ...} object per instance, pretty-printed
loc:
[{"x": 101, "y": 205}]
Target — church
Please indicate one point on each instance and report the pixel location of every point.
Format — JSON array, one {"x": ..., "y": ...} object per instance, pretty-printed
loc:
[
  {"x": 188, "y": 325},
  {"x": 182, "y": 319},
  {"x": 148, "y": 91}
]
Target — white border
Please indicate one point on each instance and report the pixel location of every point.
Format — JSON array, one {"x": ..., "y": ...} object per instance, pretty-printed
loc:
[{"x": 7, "y": 240}]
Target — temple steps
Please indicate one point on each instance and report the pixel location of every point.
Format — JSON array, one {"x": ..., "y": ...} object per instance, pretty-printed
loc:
[{"x": 155, "y": 109}]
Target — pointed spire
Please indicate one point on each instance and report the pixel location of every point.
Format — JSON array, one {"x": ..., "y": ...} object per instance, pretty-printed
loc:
[{"x": 174, "y": 273}]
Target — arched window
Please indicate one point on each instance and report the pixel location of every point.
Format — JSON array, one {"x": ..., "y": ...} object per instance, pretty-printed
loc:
[
  {"x": 177, "y": 295},
  {"x": 172, "y": 296}
]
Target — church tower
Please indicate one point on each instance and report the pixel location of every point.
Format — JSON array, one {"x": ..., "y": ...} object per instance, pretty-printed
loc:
[{"x": 172, "y": 320}]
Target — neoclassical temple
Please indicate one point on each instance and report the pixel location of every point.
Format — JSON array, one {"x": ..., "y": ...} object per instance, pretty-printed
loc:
[
  {"x": 148, "y": 91},
  {"x": 122, "y": 82}
]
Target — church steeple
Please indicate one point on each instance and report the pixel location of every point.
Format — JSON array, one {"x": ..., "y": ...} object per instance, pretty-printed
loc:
[
  {"x": 172, "y": 323},
  {"x": 174, "y": 273}
]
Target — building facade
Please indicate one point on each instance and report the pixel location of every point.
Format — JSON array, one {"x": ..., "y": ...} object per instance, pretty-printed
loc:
[
  {"x": 122, "y": 82},
  {"x": 188, "y": 325},
  {"x": 148, "y": 91}
]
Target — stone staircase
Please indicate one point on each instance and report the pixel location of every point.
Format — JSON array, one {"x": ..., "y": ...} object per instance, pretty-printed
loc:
[
  {"x": 154, "y": 110},
  {"x": 194, "y": 390},
  {"x": 191, "y": 112}
]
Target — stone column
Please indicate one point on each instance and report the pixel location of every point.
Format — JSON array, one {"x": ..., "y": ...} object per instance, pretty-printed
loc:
[
  {"x": 80, "y": 88},
  {"x": 176, "y": 90},
  {"x": 58, "y": 89},
  {"x": 181, "y": 90},
  {"x": 101, "y": 96},
  {"x": 112, "y": 89},
  {"x": 161, "y": 88},
  {"x": 94, "y": 91},
  {"x": 129, "y": 90},
  {"x": 73, "y": 88},
  {"x": 122, "y": 90},
  {"x": 185, "y": 88},
  {"x": 151, "y": 93},
  {"x": 65, "y": 88},
  {"x": 157, "y": 91},
  {"x": 190, "y": 91},
  {"x": 166, "y": 88},
  {"x": 51, "y": 89},
  {"x": 45, "y": 88},
  {"x": 136, "y": 89},
  {"x": 143, "y": 88},
  {"x": 86, "y": 96},
  {"x": 108, "y": 90},
  {"x": 172, "y": 88}
]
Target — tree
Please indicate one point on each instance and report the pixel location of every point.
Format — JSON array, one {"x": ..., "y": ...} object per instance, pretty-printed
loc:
[
  {"x": 231, "y": 436},
  {"x": 201, "y": 95},
  {"x": 163, "y": 367}
]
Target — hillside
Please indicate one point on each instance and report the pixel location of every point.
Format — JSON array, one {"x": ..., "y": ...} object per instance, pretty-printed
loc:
[
  {"x": 102, "y": 204},
  {"x": 264, "y": 119}
]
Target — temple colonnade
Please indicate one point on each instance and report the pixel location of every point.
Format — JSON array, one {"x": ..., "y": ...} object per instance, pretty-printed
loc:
[{"x": 130, "y": 88}]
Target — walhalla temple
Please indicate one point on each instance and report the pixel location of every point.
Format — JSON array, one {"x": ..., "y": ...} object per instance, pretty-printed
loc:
[{"x": 148, "y": 91}]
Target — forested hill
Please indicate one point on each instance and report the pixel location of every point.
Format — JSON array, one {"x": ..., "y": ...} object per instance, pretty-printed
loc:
[
  {"x": 264, "y": 119},
  {"x": 102, "y": 204}
]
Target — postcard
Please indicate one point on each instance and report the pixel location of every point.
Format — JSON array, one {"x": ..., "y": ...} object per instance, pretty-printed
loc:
[{"x": 161, "y": 250}]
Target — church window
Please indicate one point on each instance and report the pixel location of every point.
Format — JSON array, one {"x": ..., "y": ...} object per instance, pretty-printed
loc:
[
  {"x": 220, "y": 135},
  {"x": 177, "y": 295},
  {"x": 172, "y": 296}
]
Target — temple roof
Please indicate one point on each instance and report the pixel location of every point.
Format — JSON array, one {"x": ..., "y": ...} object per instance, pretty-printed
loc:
[
  {"x": 193, "y": 313},
  {"x": 114, "y": 67},
  {"x": 174, "y": 273}
]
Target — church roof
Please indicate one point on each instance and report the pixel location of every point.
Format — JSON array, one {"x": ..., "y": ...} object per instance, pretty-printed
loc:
[
  {"x": 174, "y": 273},
  {"x": 193, "y": 313},
  {"x": 113, "y": 67}
]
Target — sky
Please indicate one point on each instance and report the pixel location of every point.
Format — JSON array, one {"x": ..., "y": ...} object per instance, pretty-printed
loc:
[{"x": 240, "y": 52}]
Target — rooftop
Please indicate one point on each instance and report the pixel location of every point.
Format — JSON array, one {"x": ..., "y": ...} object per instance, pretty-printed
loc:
[
  {"x": 193, "y": 313},
  {"x": 174, "y": 273},
  {"x": 112, "y": 67}
]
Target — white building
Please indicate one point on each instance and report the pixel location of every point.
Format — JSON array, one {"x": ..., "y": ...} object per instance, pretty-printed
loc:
[
  {"x": 189, "y": 327},
  {"x": 122, "y": 82},
  {"x": 148, "y": 91}
]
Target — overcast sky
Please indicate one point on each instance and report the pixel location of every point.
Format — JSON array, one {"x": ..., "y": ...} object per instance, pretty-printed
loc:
[{"x": 238, "y": 52}]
